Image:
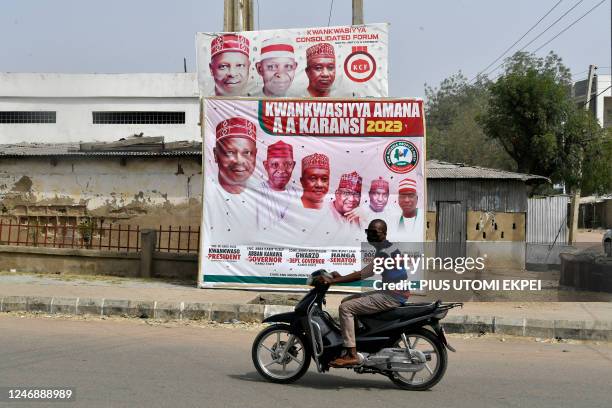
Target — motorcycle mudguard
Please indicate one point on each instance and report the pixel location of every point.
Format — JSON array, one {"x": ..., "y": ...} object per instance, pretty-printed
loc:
[
  {"x": 440, "y": 332},
  {"x": 288, "y": 317}
]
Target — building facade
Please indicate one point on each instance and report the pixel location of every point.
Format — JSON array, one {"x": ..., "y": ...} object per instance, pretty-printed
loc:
[
  {"x": 61, "y": 108},
  {"x": 600, "y": 98}
]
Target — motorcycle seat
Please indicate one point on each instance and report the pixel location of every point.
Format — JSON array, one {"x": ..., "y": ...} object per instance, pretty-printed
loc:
[{"x": 409, "y": 310}]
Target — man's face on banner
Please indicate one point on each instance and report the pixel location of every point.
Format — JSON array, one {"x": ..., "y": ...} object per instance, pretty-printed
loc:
[
  {"x": 236, "y": 159},
  {"x": 315, "y": 183},
  {"x": 408, "y": 202},
  {"x": 277, "y": 74},
  {"x": 279, "y": 171},
  {"x": 378, "y": 199},
  {"x": 346, "y": 200},
  {"x": 230, "y": 70},
  {"x": 321, "y": 73}
]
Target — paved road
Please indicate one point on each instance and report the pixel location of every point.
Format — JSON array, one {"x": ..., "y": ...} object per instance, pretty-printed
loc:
[{"x": 129, "y": 363}]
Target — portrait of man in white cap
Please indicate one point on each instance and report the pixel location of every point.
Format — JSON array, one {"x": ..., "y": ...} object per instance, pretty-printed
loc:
[
  {"x": 277, "y": 66},
  {"x": 409, "y": 225},
  {"x": 229, "y": 64}
]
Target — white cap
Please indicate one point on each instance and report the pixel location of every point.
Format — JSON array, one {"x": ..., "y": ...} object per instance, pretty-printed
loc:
[{"x": 276, "y": 48}]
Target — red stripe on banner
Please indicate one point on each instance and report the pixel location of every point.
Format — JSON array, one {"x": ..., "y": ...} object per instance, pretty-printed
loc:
[{"x": 277, "y": 47}]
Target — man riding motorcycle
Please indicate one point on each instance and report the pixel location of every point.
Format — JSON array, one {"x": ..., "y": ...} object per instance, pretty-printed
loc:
[{"x": 369, "y": 302}]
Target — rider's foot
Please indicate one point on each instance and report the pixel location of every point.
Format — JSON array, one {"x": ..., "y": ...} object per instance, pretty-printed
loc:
[{"x": 350, "y": 359}]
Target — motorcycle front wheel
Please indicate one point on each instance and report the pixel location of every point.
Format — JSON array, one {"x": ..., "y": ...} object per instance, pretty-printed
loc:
[
  {"x": 280, "y": 355},
  {"x": 430, "y": 345}
]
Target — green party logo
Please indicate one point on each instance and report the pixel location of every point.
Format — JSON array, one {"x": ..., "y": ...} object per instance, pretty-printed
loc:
[{"x": 401, "y": 156}]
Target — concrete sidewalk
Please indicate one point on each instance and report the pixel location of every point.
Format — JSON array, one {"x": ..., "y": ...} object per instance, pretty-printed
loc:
[{"x": 101, "y": 295}]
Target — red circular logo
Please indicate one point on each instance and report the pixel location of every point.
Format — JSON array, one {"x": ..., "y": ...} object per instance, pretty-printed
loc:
[{"x": 360, "y": 66}]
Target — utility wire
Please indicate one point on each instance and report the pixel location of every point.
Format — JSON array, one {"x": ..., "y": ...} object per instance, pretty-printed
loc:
[
  {"x": 519, "y": 40},
  {"x": 569, "y": 26},
  {"x": 539, "y": 35},
  {"x": 589, "y": 101},
  {"x": 331, "y": 7}
]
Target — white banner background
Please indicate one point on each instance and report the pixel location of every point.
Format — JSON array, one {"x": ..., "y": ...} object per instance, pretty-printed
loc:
[
  {"x": 374, "y": 57},
  {"x": 236, "y": 250}
]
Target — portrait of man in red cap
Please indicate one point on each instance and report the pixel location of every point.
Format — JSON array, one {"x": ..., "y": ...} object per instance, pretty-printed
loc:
[
  {"x": 277, "y": 196},
  {"x": 229, "y": 64},
  {"x": 379, "y": 195},
  {"x": 320, "y": 69},
  {"x": 315, "y": 180},
  {"x": 348, "y": 198},
  {"x": 277, "y": 66},
  {"x": 235, "y": 153}
]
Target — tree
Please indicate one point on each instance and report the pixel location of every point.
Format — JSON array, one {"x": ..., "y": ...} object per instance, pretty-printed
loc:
[
  {"x": 527, "y": 108},
  {"x": 453, "y": 135},
  {"x": 531, "y": 113},
  {"x": 584, "y": 159}
]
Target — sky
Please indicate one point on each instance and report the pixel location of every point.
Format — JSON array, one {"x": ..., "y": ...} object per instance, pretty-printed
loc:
[{"x": 429, "y": 40}]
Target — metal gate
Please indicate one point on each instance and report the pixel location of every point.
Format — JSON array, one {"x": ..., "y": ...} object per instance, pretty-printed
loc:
[{"x": 450, "y": 222}]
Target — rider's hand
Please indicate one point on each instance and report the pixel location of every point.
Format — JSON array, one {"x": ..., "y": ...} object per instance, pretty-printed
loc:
[{"x": 325, "y": 280}]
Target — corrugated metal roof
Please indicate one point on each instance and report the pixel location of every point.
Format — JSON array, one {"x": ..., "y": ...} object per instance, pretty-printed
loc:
[
  {"x": 442, "y": 170},
  {"x": 72, "y": 149},
  {"x": 435, "y": 169}
]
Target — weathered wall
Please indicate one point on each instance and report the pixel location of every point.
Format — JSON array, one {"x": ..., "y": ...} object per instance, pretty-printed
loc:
[
  {"x": 495, "y": 226},
  {"x": 499, "y": 235},
  {"x": 430, "y": 226},
  {"x": 479, "y": 195},
  {"x": 69, "y": 261},
  {"x": 134, "y": 190},
  {"x": 92, "y": 262}
]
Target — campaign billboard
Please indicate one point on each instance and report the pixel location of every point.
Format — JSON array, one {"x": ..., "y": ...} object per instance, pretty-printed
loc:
[
  {"x": 291, "y": 184},
  {"x": 343, "y": 61}
]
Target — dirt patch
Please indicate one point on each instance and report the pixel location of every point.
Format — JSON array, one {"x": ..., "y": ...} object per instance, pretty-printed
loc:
[{"x": 284, "y": 299}]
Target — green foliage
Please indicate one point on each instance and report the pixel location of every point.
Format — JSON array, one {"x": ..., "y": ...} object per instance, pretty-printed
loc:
[
  {"x": 526, "y": 110},
  {"x": 86, "y": 229},
  {"x": 453, "y": 135},
  {"x": 585, "y": 154},
  {"x": 531, "y": 114}
]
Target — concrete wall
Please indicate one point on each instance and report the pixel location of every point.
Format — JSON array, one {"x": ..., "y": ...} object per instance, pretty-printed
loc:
[
  {"x": 140, "y": 191},
  {"x": 498, "y": 255},
  {"x": 92, "y": 262},
  {"x": 75, "y": 96}
]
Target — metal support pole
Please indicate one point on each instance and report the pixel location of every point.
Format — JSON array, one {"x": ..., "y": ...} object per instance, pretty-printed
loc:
[{"x": 357, "y": 12}]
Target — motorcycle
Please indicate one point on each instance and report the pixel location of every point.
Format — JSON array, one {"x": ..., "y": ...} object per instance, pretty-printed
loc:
[{"x": 406, "y": 344}]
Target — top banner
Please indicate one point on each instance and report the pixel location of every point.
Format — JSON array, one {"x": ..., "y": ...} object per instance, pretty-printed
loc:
[{"x": 343, "y": 61}]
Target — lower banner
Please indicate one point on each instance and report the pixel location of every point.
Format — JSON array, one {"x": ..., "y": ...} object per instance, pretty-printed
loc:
[{"x": 290, "y": 186}]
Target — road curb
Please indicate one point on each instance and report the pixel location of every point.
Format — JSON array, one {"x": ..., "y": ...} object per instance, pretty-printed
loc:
[{"x": 600, "y": 330}]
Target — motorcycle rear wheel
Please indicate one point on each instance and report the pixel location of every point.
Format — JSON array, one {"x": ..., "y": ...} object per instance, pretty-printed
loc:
[
  {"x": 284, "y": 348},
  {"x": 432, "y": 344}
]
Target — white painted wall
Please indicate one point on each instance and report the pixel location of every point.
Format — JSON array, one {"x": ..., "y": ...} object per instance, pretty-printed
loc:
[
  {"x": 75, "y": 96},
  {"x": 603, "y": 82}
]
